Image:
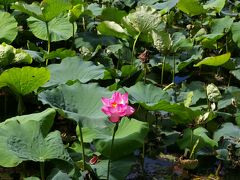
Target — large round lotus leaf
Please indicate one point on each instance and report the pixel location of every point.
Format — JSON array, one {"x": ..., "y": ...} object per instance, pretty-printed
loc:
[
  {"x": 153, "y": 98},
  {"x": 24, "y": 80},
  {"x": 45, "y": 11},
  {"x": 81, "y": 102},
  {"x": 59, "y": 28},
  {"x": 33, "y": 9},
  {"x": 8, "y": 26},
  {"x": 45, "y": 119},
  {"x": 227, "y": 130},
  {"x": 52, "y": 8},
  {"x": 74, "y": 69},
  {"x": 25, "y": 142},
  {"x": 148, "y": 94},
  {"x": 129, "y": 136},
  {"x": 143, "y": 20}
]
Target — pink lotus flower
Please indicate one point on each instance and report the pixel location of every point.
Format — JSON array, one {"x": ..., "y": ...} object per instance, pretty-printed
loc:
[{"x": 117, "y": 106}]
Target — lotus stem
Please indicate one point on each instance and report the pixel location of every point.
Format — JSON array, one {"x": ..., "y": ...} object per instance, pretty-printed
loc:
[
  {"x": 49, "y": 41},
  {"x": 193, "y": 149},
  {"x": 20, "y": 108},
  {"x": 174, "y": 61},
  {"x": 73, "y": 35},
  {"x": 163, "y": 68},
  {"x": 42, "y": 167},
  {"x": 111, "y": 149},
  {"x": 134, "y": 44},
  {"x": 82, "y": 145}
]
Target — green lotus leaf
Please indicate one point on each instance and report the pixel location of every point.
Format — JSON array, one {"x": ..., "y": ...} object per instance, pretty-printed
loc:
[
  {"x": 80, "y": 102},
  {"x": 113, "y": 14},
  {"x": 143, "y": 20},
  {"x": 60, "y": 53},
  {"x": 33, "y": 9},
  {"x": 236, "y": 33},
  {"x": 6, "y": 54},
  {"x": 46, "y": 11},
  {"x": 180, "y": 42},
  {"x": 236, "y": 73},
  {"x": 129, "y": 136},
  {"x": 22, "y": 56},
  {"x": 57, "y": 174},
  {"x": 74, "y": 68},
  {"x": 190, "y": 137},
  {"x": 221, "y": 25},
  {"x": 191, "y": 7},
  {"x": 75, "y": 12},
  {"x": 59, "y": 28},
  {"x": 153, "y": 98},
  {"x": 52, "y": 8},
  {"x": 8, "y": 26},
  {"x": 111, "y": 28},
  {"x": 147, "y": 94},
  {"x": 24, "y": 80},
  {"x": 161, "y": 40},
  {"x": 21, "y": 139},
  {"x": 213, "y": 93},
  {"x": 216, "y": 5},
  {"x": 227, "y": 130},
  {"x": 119, "y": 169},
  {"x": 45, "y": 119},
  {"x": 214, "y": 61}
]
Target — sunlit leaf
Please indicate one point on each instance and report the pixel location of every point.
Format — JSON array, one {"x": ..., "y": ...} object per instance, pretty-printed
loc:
[
  {"x": 33, "y": 9},
  {"x": 60, "y": 53},
  {"x": 24, "y": 80},
  {"x": 111, "y": 28},
  {"x": 52, "y": 8},
  {"x": 213, "y": 93},
  {"x": 45, "y": 119},
  {"x": 191, "y": 7},
  {"x": 59, "y": 28},
  {"x": 214, "y": 61},
  {"x": 216, "y": 5},
  {"x": 8, "y": 26},
  {"x": 143, "y": 20}
]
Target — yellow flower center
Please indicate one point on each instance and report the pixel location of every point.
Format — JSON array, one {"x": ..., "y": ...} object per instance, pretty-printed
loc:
[{"x": 114, "y": 105}]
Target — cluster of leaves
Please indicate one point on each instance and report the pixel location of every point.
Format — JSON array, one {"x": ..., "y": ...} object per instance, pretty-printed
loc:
[{"x": 177, "y": 59}]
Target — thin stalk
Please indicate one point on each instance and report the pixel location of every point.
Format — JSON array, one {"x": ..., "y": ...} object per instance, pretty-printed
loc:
[
  {"x": 83, "y": 23},
  {"x": 5, "y": 103},
  {"x": 42, "y": 167},
  {"x": 174, "y": 61},
  {"x": 21, "y": 107},
  {"x": 49, "y": 41},
  {"x": 229, "y": 80},
  {"x": 163, "y": 68},
  {"x": 111, "y": 148},
  {"x": 134, "y": 44},
  {"x": 73, "y": 35},
  {"x": 145, "y": 72},
  {"x": 82, "y": 145},
  {"x": 193, "y": 149}
]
